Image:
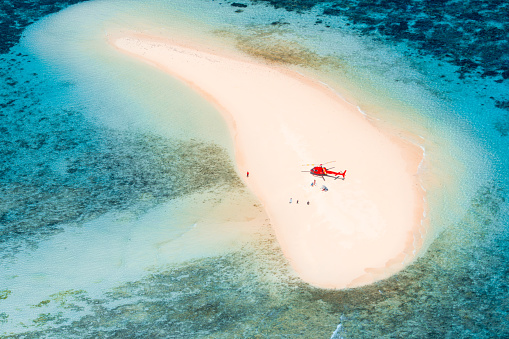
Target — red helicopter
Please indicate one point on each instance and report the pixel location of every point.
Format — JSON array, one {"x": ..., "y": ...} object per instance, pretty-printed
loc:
[{"x": 322, "y": 171}]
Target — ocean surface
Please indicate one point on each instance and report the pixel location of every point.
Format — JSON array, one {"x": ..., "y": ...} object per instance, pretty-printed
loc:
[{"x": 121, "y": 210}]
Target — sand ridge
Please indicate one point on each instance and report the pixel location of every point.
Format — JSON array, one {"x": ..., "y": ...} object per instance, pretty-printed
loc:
[{"x": 364, "y": 228}]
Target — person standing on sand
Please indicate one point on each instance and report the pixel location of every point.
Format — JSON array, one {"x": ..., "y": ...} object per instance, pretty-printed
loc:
[
  {"x": 290, "y": 200},
  {"x": 247, "y": 174}
]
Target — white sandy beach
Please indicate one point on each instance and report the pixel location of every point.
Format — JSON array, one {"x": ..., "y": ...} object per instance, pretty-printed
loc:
[{"x": 365, "y": 227}]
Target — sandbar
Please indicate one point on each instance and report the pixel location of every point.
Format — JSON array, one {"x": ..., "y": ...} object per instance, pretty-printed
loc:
[{"x": 364, "y": 228}]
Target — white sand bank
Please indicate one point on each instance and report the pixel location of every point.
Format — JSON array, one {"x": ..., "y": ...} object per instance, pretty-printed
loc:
[{"x": 365, "y": 227}]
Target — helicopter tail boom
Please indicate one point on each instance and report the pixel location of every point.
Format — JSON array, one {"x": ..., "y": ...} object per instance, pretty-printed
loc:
[{"x": 338, "y": 174}]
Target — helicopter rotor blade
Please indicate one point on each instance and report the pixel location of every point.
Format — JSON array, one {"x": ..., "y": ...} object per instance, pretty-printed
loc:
[{"x": 320, "y": 164}]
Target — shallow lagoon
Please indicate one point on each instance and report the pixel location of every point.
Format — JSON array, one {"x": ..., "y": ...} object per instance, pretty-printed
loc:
[{"x": 97, "y": 213}]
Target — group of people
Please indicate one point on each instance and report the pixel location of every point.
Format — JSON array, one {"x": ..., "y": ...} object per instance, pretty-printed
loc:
[
  {"x": 297, "y": 201},
  {"x": 323, "y": 188}
]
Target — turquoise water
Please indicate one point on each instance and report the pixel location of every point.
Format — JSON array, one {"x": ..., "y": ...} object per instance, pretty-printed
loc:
[{"x": 121, "y": 212}]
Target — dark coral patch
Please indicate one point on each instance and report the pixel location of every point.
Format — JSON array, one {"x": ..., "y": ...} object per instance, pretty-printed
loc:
[
  {"x": 15, "y": 15},
  {"x": 447, "y": 29}
]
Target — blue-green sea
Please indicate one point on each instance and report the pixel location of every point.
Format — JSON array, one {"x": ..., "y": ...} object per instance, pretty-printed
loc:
[{"x": 122, "y": 214}]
